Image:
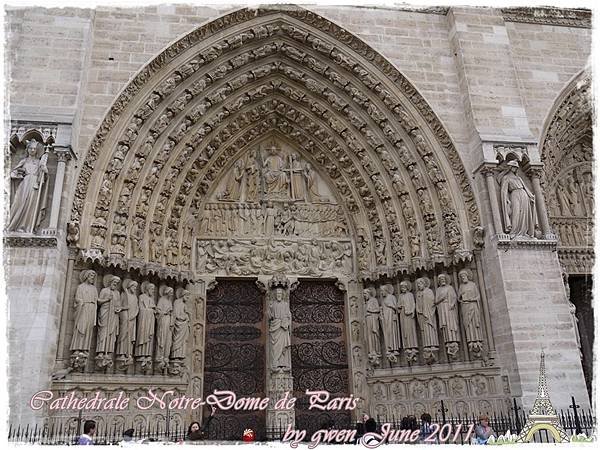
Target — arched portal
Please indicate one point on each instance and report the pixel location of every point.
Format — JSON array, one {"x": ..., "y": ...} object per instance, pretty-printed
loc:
[
  {"x": 567, "y": 153},
  {"x": 267, "y": 150}
]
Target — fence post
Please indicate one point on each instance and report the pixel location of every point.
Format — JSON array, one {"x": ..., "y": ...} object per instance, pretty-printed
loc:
[
  {"x": 575, "y": 407},
  {"x": 443, "y": 410},
  {"x": 516, "y": 409}
]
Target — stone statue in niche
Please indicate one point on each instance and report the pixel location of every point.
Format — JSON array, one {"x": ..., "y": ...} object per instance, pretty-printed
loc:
[
  {"x": 276, "y": 179},
  {"x": 181, "y": 331},
  {"x": 108, "y": 320},
  {"x": 127, "y": 323},
  {"x": 447, "y": 309},
  {"x": 280, "y": 323},
  {"x": 86, "y": 300},
  {"x": 389, "y": 323},
  {"x": 406, "y": 311},
  {"x": 145, "y": 326},
  {"x": 164, "y": 327},
  {"x": 372, "y": 315},
  {"x": 518, "y": 204},
  {"x": 29, "y": 203},
  {"x": 425, "y": 306}
]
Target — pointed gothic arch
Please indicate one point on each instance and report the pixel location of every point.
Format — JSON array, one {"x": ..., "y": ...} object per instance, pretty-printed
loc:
[
  {"x": 566, "y": 149},
  {"x": 209, "y": 97}
]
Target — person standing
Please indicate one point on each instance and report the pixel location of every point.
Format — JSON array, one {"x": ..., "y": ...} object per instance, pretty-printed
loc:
[{"x": 89, "y": 430}]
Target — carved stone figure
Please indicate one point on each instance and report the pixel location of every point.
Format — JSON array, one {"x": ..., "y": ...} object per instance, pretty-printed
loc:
[
  {"x": 447, "y": 309},
  {"x": 389, "y": 323},
  {"x": 372, "y": 314},
  {"x": 297, "y": 178},
  {"x": 236, "y": 180},
  {"x": 468, "y": 298},
  {"x": 29, "y": 203},
  {"x": 127, "y": 322},
  {"x": 425, "y": 306},
  {"x": 252, "y": 177},
  {"x": 181, "y": 324},
  {"x": 164, "y": 327},
  {"x": 312, "y": 183},
  {"x": 280, "y": 323},
  {"x": 276, "y": 180},
  {"x": 108, "y": 320},
  {"x": 406, "y": 311},
  {"x": 562, "y": 196},
  {"x": 518, "y": 204},
  {"x": 86, "y": 299},
  {"x": 145, "y": 326},
  {"x": 587, "y": 188}
]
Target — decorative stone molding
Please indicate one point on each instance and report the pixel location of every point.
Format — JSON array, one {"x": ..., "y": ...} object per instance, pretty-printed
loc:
[
  {"x": 22, "y": 130},
  {"x": 505, "y": 241},
  {"x": 567, "y": 177},
  {"x": 465, "y": 389},
  {"x": 325, "y": 83},
  {"x": 577, "y": 18},
  {"x": 30, "y": 241}
]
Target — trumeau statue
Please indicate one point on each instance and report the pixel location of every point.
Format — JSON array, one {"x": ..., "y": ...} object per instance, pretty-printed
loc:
[
  {"x": 425, "y": 306},
  {"x": 164, "y": 327},
  {"x": 406, "y": 311},
  {"x": 127, "y": 322},
  {"x": 389, "y": 323},
  {"x": 518, "y": 204},
  {"x": 280, "y": 324},
  {"x": 468, "y": 298},
  {"x": 145, "y": 326},
  {"x": 372, "y": 315},
  {"x": 29, "y": 202},
  {"x": 108, "y": 320},
  {"x": 447, "y": 308},
  {"x": 86, "y": 300}
]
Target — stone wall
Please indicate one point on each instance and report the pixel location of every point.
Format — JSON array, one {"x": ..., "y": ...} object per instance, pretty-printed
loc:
[{"x": 35, "y": 283}]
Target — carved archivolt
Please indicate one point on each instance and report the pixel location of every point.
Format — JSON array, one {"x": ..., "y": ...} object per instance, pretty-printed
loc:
[
  {"x": 210, "y": 99},
  {"x": 566, "y": 148}
]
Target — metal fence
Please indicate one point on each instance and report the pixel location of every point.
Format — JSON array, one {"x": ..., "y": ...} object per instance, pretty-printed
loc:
[{"x": 574, "y": 421}]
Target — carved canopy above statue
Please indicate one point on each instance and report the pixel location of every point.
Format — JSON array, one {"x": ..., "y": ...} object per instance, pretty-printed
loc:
[{"x": 258, "y": 76}]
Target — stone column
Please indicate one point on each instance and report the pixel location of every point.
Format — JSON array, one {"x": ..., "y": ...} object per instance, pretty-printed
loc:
[
  {"x": 199, "y": 290},
  {"x": 534, "y": 173},
  {"x": 488, "y": 172},
  {"x": 63, "y": 154},
  {"x": 356, "y": 348},
  {"x": 279, "y": 380}
]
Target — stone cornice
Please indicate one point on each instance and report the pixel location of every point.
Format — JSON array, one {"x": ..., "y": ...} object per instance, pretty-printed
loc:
[
  {"x": 504, "y": 241},
  {"x": 577, "y": 18}
]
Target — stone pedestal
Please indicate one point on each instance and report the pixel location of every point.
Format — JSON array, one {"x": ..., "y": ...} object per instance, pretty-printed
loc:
[{"x": 280, "y": 387}]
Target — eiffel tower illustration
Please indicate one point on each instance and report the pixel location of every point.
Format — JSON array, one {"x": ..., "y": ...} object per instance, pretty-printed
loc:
[{"x": 543, "y": 415}]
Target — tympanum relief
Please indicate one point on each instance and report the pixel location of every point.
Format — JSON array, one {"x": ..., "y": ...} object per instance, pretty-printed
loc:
[{"x": 273, "y": 213}]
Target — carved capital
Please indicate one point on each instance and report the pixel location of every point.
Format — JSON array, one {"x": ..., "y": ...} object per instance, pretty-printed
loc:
[{"x": 535, "y": 171}]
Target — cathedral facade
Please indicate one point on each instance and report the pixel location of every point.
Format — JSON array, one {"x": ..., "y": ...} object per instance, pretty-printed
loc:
[{"x": 394, "y": 205}]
